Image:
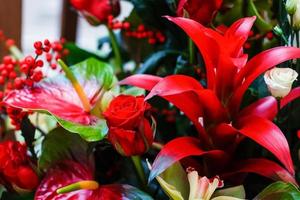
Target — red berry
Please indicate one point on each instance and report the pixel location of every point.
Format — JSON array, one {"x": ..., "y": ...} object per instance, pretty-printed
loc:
[
  {"x": 151, "y": 40},
  {"x": 39, "y": 63},
  {"x": 269, "y": 35},
  {"x": 7, "y": 60},
  {"x": 12, "y": 75},
  {"x": 29, "y": 82},
  {"x": 247, "y": 45},
  {"x": 46, "y": 42},
  {"x": 37, "y": 76},
  {"x": 9, "y": 43},
  {"x": 141, "y": 28},
  {"x": 126, "y": 25},
  {"x": 38, "y": 52},
  {"x": 46, "y": 49},
  {"x": 9, "y": 86},
  {"x": 48, "y": 57},
  {"x": 24, "y": 68},
  {"x": 38, "y": 45},
  {"x": 4, "y": 73},
  {"x": 29, "y": 60},
  {"x": 2, "y": 80},
  {"x": 53, "y": 66},
  {"x": 18, "y": 83},
  {"x": 9, "y": 67}
]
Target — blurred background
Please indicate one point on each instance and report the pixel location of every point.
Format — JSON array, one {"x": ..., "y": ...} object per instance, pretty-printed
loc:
[{"x": 27, "y": 21}]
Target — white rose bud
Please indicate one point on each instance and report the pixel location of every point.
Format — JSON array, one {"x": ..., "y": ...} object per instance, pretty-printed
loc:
[
  {"x": 296, "y": 18},
  {"x": 291, "y": 6},
  {"x": 280, "y": 80}
]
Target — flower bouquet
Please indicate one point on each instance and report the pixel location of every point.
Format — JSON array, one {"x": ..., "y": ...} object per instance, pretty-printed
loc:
[{"x": 195, "y": 99}]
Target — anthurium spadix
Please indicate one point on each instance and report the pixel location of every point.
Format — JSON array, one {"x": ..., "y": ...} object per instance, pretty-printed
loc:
[
  {"x": 215, "y": 111},
  {"x": 75, "y": 98}
]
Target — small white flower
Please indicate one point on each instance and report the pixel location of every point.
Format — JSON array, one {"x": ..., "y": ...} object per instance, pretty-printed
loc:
[
  {"x": 296, "y": 18},
  {"x": 280, "y": 80},
  {"x": 291, "y": 6}
]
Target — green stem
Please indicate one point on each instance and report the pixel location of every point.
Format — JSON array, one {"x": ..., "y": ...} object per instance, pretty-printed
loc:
[
  {"x": 78, "y": 88},
  {"x": 116, "y": 49},
  {"x": 15, "y": 51},
  {"x": 139, "y": 169},
  {"x": 191, "y": 51}
]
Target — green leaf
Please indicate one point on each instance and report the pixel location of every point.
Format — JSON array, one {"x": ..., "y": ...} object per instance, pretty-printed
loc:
[
  {"x": 2, "y": 189},
  {"x": 157, "y": 59},
  {"x": 94, "y": 70},
  {"x": 237, "y": 192},
  {"x": 279, "y": 191},
  {"x": 90, "y": 133},
  {"x": 77, "y": 54},
  {"x": 174, "y": 182},
  {"x": 60, "y": 145},
  {"x": 134, "y": 91}
]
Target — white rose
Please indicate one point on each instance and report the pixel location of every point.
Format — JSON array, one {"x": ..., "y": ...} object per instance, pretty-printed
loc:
[
  {"x": 296, "y": 18},
  {"x": 280, "y": 80},
  {"x": 291, "y": 6}
]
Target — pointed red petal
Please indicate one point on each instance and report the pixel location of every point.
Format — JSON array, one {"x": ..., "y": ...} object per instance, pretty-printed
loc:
[
  {"x": 262, "y": 167},
  {"x": 294, "y": 94},
  {"x": 258, "y": 65},
  {"x": 177, "y": 149},
  {"x": 265, "y": 108},
  {"x": 144, "y": 81},
  {"x": 268, "y": 135},
  {"x": 238, "y": 33},
  {"x": 205, "y": 39}
]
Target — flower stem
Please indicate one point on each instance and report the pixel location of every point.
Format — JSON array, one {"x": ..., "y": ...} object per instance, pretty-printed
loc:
[
  {"x": 115, "y": 48},
  {"x": 78, "y": 88},
  {"x": 191, "y": 51},
  {"x": 15, "y": 51},
  {"x": 86, "y": 185},
  {"x": 139, "y": 169}
]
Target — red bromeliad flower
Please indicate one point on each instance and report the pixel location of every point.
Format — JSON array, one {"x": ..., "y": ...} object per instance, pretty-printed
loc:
[
  {"x": 15, "y": 169},
  {"x": 97, "y": 11},
  {"x": 202, "y": 11},
  {"x": 215, "y": 111},
  {"x": 129, "y": 130},
  {"x": 83, "y": 186}
]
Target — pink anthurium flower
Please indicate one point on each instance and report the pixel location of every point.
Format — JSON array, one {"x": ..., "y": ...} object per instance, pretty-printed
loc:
[
  {"x": 70, "y": 180},
  {"x": 223, "y": 124}
]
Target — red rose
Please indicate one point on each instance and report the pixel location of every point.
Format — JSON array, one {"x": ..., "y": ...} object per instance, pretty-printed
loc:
[
  {"x": 15, "y": 166},
  {"x": 202, "y": 11},
  {"x": 97, "y": 11},
  {"x": 129, "y": 130}
]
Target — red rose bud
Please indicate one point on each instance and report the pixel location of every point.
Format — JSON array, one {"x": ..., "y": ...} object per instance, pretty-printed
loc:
[
  {"x": 202, "y": 11},
  {"x": 97, "y": 11},
  {"x": 129, "y": 130},
  {"x": 15, "y": 166}
]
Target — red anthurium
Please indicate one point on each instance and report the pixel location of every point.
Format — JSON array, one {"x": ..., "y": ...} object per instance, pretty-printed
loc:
[
  {"x": 202, "y": 11},
  {"x": 60, "y": 97},
  {"x": 217, "y": 109},
  {"x": 70, "y": 172}
]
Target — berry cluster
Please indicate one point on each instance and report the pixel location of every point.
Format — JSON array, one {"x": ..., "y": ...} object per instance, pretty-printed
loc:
[
  {"x": 141, "y": 32},
  {"x": 253, "y": 36},
  {"x": 17, "y": 74},
  {"x": 15, "y": 166}
]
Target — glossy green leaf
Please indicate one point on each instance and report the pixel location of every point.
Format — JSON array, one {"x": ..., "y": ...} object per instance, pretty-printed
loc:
[
  {"x": 174, "y": 182},
  {"x": 279, "y": 191},
  {"x": 59, "y": 145},
  {"x": 134, "y": 91},
  {"x": 237, "y": 192},
  {"x": 90, "y": 133}
]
